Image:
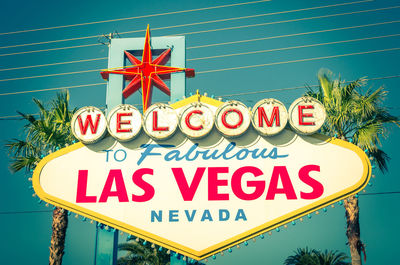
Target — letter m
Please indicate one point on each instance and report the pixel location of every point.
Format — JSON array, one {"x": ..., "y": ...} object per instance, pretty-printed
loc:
[
  {"x": 262, "y": 116},
  {"x": 88, "y": 122}
]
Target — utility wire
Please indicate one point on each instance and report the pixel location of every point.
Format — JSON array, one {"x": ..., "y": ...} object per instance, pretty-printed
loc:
[
  {"x": 288, "y": 21},
  {"x": 215, "y": 30},
  {"x": 292, "y": 47},
  {"x": 216, "y": 44},
  {"x": 50, "y": 89},
  {"x": 380, "y": 193},
  {"x": 22, "y": 212},
  {"x": 135, "y": 17},
  {"x": 48, "y": 211},
  {"x": 226, "y": 95},
  {"x": 18, "y": 117},
  {"x": 295, "y": 61},
  {"x": 292, "y": 35},
  {"x": 213, "y": 57},
  {"x": 297, "y": 87},
  {"x": 210, "y": 71},
  {"x": 52, "y": 49},
  {"x": 52, "y": 64},
  {"x": 190, "y": 24}
]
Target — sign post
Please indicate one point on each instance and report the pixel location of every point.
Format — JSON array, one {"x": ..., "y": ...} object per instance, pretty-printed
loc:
[{"x": 106, "y": 247}]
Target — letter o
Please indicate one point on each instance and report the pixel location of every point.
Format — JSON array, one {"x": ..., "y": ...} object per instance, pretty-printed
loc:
[{"x": 232, "y": 118}]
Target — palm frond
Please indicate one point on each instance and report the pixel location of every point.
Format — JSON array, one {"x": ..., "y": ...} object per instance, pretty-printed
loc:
[
  {"x": 43, "y": 134},
  {"x": 380, "y": 158},
  {"x": 353, "y": 113},
  {"x": 20, "y": 162},
  {"x": 324, "y": 77}
]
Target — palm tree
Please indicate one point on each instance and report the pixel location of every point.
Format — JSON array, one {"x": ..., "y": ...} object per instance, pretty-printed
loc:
[
  {"x": 302, "y": 256},
  {"x": 141, "y": 253},
  {"x": 47, "y": 133},
  {"x": 360, "y": 117},
  {"x": 305, "y": 256},
  {"x": 332, "y": 258}
]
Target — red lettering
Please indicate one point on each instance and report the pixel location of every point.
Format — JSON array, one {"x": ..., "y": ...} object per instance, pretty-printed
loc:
[
  {"x": 287, "y": 187},
  {"x": 81, "y": 196},
  {"x": 187, "y": 191},
  {"x": 232, "y": 126},
  {"x": 120, "y": 122},
  {"x": 187, "y": 120},
  {"x": 304, "y": 175},
  {"x": 88, "y": 122},
  {"x": 115, "y": 175},
  {"x": 155, "y": 123},
  {"x": 305, "y": 115},
  {"x": 137, "y": 179},
  {"x": 262, "y": 116},
  {"x": 237, "y": 183},
  {"x": 214, "y": 183}
]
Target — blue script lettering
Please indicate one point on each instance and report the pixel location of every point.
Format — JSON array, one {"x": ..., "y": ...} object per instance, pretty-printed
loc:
[{"x": 230, "y": 152}]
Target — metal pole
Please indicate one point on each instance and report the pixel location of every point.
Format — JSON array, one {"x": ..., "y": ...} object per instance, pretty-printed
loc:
[
  {"x": 178, "y": 90},
  {"x": 107, "y": 242}
]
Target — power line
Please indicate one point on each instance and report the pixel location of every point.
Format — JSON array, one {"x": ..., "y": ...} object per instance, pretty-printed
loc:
[
  {"x": 51, "y": 49},
  {"x": 50, "y": 89},
  {"x": 18, "y": 117},
  {"x": 52, "y": 64},
  {"x": 226, "y": 95},
  {"x": 287, "y": 21},
  {"x": 217, "y": 44},
  {"x": 23, "y": 212},
  {"x": 295, "y": 61},
  {"x": 49, "y": 75},
  {"x": 48, "y": 211},
  {"x": 297, "y": 87},
  {"x": 214, "y": 30},
  {"x": 136, "y": 17},
  {"x": 216, "y": 70},
  {"x": 381, "y": 193},
  {"x": 292, "y": 35},
  {"x": 213, "y": 57},
  {"x": 292, "y": 47},
  {"x": 190, "y": 24}
]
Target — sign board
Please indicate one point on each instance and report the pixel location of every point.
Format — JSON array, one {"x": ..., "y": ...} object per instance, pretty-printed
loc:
[{"x": 199, "y": 193}]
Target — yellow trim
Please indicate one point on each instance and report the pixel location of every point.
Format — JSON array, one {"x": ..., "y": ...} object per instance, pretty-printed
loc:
[
  {"x": 198, "y": 255},
  {"x": 196, "y": 98}
]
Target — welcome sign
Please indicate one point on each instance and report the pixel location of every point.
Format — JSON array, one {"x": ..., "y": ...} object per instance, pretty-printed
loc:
[{"x": 200, "y": 176}]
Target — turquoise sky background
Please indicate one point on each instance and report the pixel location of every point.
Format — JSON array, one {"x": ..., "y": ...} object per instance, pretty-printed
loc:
[{"x": 25, "y": 237}]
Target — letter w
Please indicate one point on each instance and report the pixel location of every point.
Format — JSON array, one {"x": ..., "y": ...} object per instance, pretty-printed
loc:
[
  {"x": 88, "y": 122},
  {"x": 187, "y": 191}
]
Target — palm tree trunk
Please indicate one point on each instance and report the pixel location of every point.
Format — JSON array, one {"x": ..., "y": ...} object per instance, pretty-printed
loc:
[
  {"x": 59, "y": 226},
  {"x": 353, "y": 229}
]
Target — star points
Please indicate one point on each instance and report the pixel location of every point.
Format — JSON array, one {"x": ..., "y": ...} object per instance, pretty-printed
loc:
[{"x": 147, "y": 72}]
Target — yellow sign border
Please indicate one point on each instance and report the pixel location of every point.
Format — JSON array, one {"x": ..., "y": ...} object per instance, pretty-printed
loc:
[{"x": 198, "y": 255}]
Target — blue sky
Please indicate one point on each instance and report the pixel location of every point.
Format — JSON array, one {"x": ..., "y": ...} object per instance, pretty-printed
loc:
[{"x": 375, "y": 40}]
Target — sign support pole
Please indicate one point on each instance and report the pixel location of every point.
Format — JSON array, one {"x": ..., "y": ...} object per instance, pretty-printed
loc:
[
  {"x": 178, "y": 91},
  {"x": 106, "y": 244}
]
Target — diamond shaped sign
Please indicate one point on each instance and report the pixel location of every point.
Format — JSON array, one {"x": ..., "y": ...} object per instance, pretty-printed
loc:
[{"x": 199, "y": 196}]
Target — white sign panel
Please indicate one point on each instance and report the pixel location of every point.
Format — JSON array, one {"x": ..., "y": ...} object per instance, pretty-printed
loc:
[{"x": 199, "y": 197}]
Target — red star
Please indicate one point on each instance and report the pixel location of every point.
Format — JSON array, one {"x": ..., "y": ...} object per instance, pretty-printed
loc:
[{"x": 147, "y": 73}]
